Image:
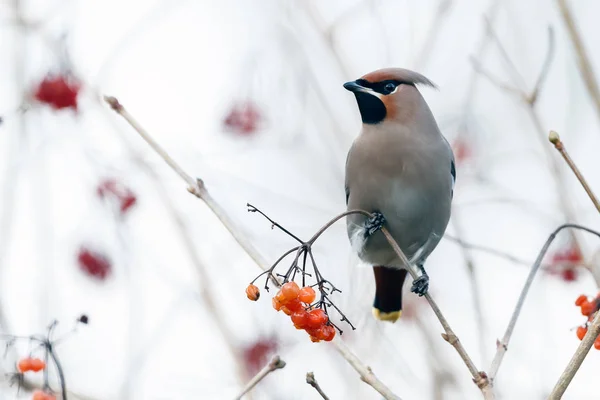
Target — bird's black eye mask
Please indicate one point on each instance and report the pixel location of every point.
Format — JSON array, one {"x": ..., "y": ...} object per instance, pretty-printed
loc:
[{"x": 383, "y": 87}]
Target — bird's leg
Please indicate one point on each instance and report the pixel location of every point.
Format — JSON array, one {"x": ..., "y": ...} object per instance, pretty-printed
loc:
[
  {"x": 374, "y": 223},
  {"x": 420, "y": 285}
]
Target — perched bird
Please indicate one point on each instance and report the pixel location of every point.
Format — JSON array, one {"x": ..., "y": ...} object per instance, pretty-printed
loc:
[{"x": 401, "y": 169}]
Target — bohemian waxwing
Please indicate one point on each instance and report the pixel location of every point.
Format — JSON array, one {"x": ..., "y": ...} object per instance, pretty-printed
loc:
[{"x": 401, "y": 169}]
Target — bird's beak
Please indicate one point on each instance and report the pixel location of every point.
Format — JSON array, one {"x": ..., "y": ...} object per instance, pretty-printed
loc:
[{"x": 353, "y": 86}]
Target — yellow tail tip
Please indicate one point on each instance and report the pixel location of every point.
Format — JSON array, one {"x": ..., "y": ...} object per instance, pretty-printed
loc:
[{"x": 387, "y": 316}]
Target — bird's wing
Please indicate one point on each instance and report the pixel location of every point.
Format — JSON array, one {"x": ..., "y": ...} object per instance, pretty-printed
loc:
[{"x": 347, "y": 189}]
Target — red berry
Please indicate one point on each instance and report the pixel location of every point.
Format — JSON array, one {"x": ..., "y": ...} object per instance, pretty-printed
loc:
[
  {"x": 581, "y": 331},
  {"x": 37, "y": 365},
  {"x": 314, "y": 339},
  {"x": 569, "y": 274},
  {"x": 24, "y": 365},
  {"x": 307, "y": 295},
  {"x": 39, "y": 395},
  {"x": 300, "y": 319},
  {"x": 127, "y": 202},
  {"x": 290, "y": 291},
  {"x": 111, "y": 188},
  {"x": 243, "y": 119},
  {"x": 252, "y": 292},
  {"x": 588, "y": 308},
  {"x": 58, "y": 92},
  {"x": 317, "y": 318},
  {"x": 328, "y": 333},
  {"x": 276, "y": 304},
  {"x": 581, "y": 299},
  {"x": 294, "y": 305},
  {"x": 94, "y": 264},
  {"x": 597, "y": 344}
]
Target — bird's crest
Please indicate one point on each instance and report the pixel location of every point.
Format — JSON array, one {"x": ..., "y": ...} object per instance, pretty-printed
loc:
[{"x": 399, "y": 74}]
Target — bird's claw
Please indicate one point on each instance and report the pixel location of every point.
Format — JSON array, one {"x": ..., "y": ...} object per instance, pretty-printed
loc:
[
  {"x": 374, "y": 224},
  {"x": 420, "y": 285}
]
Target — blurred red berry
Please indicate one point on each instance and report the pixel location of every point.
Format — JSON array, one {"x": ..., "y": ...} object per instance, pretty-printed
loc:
[
  {"x": 461, "y": 149},
  {"x": 58, "y": 92},
  {"x": 257, "y": 354},
  {"x": 581, "y": 299},
  {"x": 37, "y": 364},
  {"x": 93, "y": 263},
  {"x": 569, "y": 274},
  {"x": 40, "y": 395},
  {"x": 597, "y": 344},
  {"x": 570, "y": 255},
  {"x": 581, "y": 331},
  {"x": 243, "y": 118},
  {"x": 588, "y": 308},
  {"x": 252, "y": 292},
  {"x": 111, "y": 188},
  {"x": 307, "y": 295},
  {"x": 24, "y": 365}
]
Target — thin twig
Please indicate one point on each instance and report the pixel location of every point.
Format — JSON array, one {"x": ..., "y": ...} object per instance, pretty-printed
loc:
[
  {"x": 577, "y": 359},
  {"x": 583, "y": 60},
  {"x": 545, "y": 68},
  {"x": 559, "y": 145},
  {"x": 502, "y": 346},
  {"x": 486, "y": 249},
  {"x": 201, "y": 192},
  {"x": 274, "y": 364},
  {"x": 310, "y": 379}
]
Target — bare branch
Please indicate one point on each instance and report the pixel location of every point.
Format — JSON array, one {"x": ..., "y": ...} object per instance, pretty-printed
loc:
[
  {"x": 494, "y": 80},
  {"x": 532, "y": 98},
  {"x": 583, "y": 60},
  {"x": 275, "y": 364},
  {"x": 310, "y": 379},
  {"x": 558, "y": 144},
  {"x": 502, "y": 346},
  {"x": 577, "y": 359}
]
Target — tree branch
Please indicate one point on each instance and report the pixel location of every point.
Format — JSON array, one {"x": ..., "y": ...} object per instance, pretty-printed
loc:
[
  {"x": 502, "y": 346},
  {"x": 275, "y": 364},
  {"x": 310, "y": 379},
  {"x": 577, "y": 359}
]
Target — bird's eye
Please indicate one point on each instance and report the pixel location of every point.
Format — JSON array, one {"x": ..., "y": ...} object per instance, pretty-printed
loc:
[{"x": 389, "y": 87}]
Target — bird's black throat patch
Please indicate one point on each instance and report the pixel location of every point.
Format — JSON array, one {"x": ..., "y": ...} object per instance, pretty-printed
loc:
[{"x": 372, "y": 110}]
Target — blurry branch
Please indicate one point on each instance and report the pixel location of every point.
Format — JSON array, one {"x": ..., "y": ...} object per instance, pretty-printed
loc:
[
  {"x": 275, "y": 364},
  {"x": 197, "y": 188},
  {"x": 433, "y": 31},
  {"x": 583, "y": 60},
  {"x": 529, "y": 99},
  {"x": 310, "y": 379},
  {"x": 502, "y": 346},
  {"x": 558, "y": 145},
  {"x": 577, "y": 359}
]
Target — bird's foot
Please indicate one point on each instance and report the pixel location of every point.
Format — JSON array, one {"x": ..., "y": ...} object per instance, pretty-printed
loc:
[
  {"x": 374, "y": 223},
  {"x": 420, "y": 285}
]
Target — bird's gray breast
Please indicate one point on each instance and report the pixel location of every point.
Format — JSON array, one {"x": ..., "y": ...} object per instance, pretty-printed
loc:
[{"x": 410, "y": 187}]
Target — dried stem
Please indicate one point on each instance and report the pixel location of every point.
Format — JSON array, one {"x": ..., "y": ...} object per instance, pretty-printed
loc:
[
  {"x": 502, "y": 346},
  {"x": 310, "y": 379},
  {"x": 577, "y": 359},
  {"x": 583, "y": 60},
  {"x": 275, "y": 364},
  {"x": 199, "y": 190},
  {"x": 559, "y": 145}
]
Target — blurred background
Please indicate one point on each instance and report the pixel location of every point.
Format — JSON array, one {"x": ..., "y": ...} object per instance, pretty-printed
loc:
[{"x": 248, "y": 96}]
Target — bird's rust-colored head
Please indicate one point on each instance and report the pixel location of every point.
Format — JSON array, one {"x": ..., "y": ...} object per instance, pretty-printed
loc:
[{"x": 384, "y": 94}]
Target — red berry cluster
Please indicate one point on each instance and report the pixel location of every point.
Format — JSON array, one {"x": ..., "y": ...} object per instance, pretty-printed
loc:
[
  {"x": 295, "y": 302},
  {"x": 116, "y": 190},
  {"x": 589, "y": 309},
  {"x": 243, "y": 119},
  {"x": 58, "y": 92}
]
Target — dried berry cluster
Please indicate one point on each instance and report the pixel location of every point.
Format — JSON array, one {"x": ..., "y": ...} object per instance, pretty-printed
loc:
[{"x": 589, "y": 309}]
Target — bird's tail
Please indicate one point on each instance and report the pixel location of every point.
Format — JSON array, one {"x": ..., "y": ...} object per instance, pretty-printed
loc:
[{"x": 387, "y": 305}]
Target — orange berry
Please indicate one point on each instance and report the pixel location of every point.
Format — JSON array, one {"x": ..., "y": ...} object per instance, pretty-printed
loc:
[
  {"x": 281, "y": 298},
  {"x": 597, "y": 344},
  {"x": 294, "y": 305},
  {"x": 252, "y": 292},
  {"x": 286, "y": 310},
  {"x": 276, "y": 304},
  {"x": 581, "y": 299},
  {"x": 300, "y": 319},
  {"x": 39, "y": 395},
  {"x": 587, "y": 308},
  {"x": 314, "y": 339},
  {"x": 581, "y": 331},
  {"x": 24, "y": 365},
  {"x": 290, "y": 291},
  {"x": 327, "y": 333},
  {"x": 316, "y": 318},
  {"x": 37, "y": 365},
  {"x": 307, "y": 295}
]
